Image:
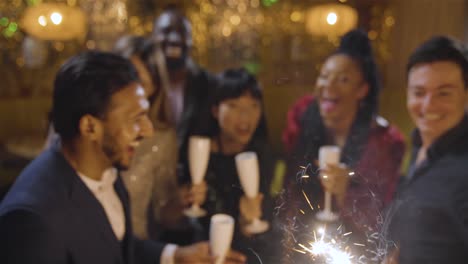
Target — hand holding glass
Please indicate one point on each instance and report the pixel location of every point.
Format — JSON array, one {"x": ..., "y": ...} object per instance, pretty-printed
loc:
[
  {"x": 198, "y": 156},
  {"x": 249, "y": 176},
  {"x": 328, "y": 155}
]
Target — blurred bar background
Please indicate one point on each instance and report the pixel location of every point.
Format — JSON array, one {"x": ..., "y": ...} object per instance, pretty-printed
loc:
[{"x": 282, "y": 42}]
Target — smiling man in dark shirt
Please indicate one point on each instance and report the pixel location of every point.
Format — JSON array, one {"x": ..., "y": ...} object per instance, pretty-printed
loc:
[{"x": 429, "y": 221}]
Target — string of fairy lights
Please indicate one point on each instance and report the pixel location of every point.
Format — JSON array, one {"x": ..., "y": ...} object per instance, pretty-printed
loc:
[{"x": 267, "y": 36}]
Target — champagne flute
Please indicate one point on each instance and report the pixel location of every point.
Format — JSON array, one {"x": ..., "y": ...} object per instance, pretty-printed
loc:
[
  {"x": 221, "y": 232},
  {"x": 198, "y": 155},
  {"x": 328, "y": 155},
  {"x": 248, "y": 170}
]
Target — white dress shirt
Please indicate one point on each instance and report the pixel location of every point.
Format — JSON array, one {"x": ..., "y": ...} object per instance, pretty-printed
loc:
[{"x": 105, "y": 193}]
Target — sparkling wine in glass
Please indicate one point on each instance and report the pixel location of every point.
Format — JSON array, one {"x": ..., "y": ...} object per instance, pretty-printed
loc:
[
  {"x": 328, "y": 155},
  {"x": 198, "y": 156},
  {"x": 249, "y": 176},
  {"x": 221, "y": 232}
]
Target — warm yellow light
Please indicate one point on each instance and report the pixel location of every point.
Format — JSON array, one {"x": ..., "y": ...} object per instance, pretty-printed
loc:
[
  {"x": 226, "y": 31},
  {"x": 54, "y": 21},
  {"x": 241, "y": 8},
  {"x": 372, "y": 34},
  {"x": 235, "y": 20},
  {"x": 42, "y": 21},
  {"x": 91, "y": 44},
  {"x": 296, "y": 16},
  {"x": 332, "y": 18},
  {"x": 255, "y": 3},
  {"x": 56, "y": 18},
  {"x": 389, "y": 21},
  {"x": 259, "y": 19}
]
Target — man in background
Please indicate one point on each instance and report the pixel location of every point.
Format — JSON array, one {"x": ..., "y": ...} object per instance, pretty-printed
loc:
[
  {"x": 188, "y": 85},
  {"x": 186, "y": 88}
]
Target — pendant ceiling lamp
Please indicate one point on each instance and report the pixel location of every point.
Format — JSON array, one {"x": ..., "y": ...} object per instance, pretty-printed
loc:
[
  {"x": 330, "y": 19},
  {"x": 54, "y": 21}
]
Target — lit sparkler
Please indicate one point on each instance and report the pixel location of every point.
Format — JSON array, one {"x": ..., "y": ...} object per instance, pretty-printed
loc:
[
  {"x": 336, "y": 247},
  {"x": 331, "y": 252}
]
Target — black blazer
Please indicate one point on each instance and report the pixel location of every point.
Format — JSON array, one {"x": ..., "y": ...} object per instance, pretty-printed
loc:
[
  {"x": 429, "y": 216},
  {"x": 196, "y": 112},
  {"x": 50, "y": 216}
]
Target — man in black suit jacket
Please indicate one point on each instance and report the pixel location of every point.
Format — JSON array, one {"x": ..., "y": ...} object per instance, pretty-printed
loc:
[{"x": 70, "y": 205}]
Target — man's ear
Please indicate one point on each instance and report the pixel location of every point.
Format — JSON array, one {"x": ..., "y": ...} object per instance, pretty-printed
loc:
[
  {"x": 90, "y": 127},
  {"x": 214, "y": 111}
]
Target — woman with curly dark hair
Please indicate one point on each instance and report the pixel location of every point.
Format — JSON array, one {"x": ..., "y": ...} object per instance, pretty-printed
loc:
[{"x": 343, "y": 112}]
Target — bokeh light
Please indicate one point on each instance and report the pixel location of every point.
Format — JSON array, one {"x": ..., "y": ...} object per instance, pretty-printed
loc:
[
  {"x": 332, "y": 18},
  {"x": 56, "y": 18},
  {"x": 296, "y": 16},
  {"x": 42, "y": 21},
  {"x": 4, "y": 21}
]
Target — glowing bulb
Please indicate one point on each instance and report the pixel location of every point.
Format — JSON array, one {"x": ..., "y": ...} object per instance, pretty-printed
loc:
[
  {"x": 56, "y": 18},
  {"x": 332, "y": 18},
  {"x": 226, "y": 31},
  {"x": 235, "y": 20},
  {"x": 42, "y": 21},
  {"x": 296, "y": 16}
]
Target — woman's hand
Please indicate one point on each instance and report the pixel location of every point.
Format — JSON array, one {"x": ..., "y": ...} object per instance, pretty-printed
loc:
[
  {"x": 190, "y": 194},
  {"x": 251, "y": 208},
  {"x": 335, "y": 179},
  {"x": 173, "y": 209},
  {"x": 200, "y": 253},
  {"x": 198, "y": 193}
]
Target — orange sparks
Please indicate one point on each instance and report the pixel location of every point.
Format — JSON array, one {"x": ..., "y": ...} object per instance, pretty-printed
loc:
[{"x": 307, "y": 199}]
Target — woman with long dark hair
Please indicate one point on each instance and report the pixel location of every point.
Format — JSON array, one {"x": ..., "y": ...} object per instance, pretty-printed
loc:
[{"x": 238, "y": 125}]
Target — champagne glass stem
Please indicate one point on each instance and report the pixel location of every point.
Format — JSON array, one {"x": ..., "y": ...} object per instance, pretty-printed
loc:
[
  {"x": 195, "y": 207},
  {"x": 255, "y": 222},
  {"x": 328, "y": 203}
]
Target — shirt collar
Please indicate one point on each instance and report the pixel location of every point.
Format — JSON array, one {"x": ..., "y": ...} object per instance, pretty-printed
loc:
[
  {"x": 109, "y": 176},
  {"x": 449, "y": 141}
]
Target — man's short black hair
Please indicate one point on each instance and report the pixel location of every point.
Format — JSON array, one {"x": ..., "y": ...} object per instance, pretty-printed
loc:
[
  {"x": 85, "y": 85},
  {"x": 441, "y": 48}
]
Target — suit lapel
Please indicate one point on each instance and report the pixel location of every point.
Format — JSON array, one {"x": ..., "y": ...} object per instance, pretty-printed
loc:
[
  {"x": 127, "y": 246},
  {"x": 92, "y": 214}
]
